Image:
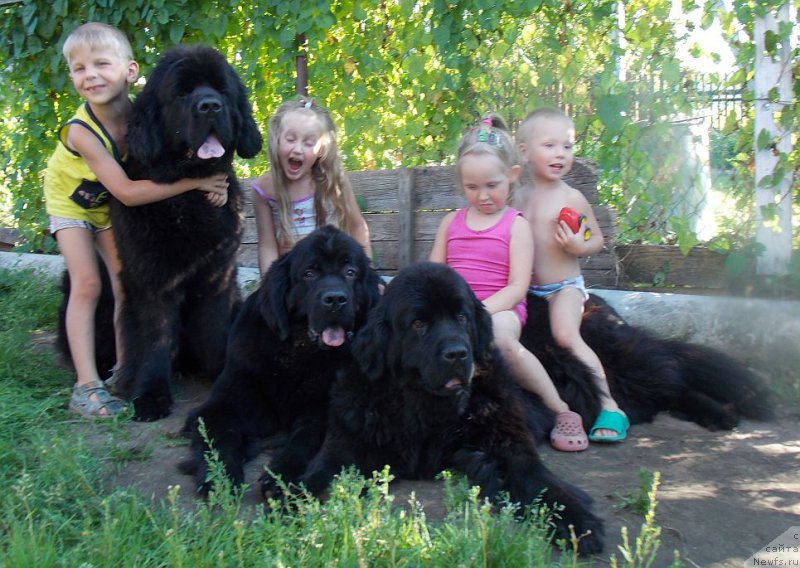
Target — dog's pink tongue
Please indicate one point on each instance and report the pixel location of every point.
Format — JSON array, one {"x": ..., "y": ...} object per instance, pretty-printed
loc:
[
  {"x": 211, "y": 148},
  {"x": 333, "y": 336}
]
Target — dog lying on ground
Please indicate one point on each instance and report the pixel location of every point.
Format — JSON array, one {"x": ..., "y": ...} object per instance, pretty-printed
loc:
[
  {"x": 428, "y": 391},
  {"x": 646, "y": 374},
  {"x": 287, "y": 344}
]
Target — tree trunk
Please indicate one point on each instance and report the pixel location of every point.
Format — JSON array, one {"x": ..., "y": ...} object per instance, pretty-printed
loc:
[
  {"x": 773, "y": 190},
  {"x": 301, "y": 66}
]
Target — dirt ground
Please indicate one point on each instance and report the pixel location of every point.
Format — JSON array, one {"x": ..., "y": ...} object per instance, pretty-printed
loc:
[{"x": 723, "y": 495}]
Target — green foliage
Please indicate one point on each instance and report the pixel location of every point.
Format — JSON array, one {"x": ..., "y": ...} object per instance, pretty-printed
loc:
[
  {"x": 641, "y": 500},
  {"x": 642, "y": 552},
  {"x": 738, "y": 24},
  {"x": 404, "y": 79},
  {"x": 740, "y": 269}
]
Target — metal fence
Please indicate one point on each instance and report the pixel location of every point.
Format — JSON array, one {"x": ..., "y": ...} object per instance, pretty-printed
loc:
[{"x": 720, "y": 97}]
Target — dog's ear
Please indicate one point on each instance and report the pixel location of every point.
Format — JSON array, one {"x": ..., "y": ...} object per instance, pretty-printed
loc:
[
  {"x": 145, "y": 132},
  {"x": 273, "y": 294},
  {"x": 483, "y": 337},
  {"x": 250, "y": 140},
  {"x": 368, "y": 289},
  {"x": 371, "y": 343}
]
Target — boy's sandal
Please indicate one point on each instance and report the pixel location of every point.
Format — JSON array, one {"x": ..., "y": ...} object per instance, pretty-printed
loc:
[
  {"x": 568, "y": 434},
  {"x": 92, "y": 400},
  {"x": 610, "y": 420}
]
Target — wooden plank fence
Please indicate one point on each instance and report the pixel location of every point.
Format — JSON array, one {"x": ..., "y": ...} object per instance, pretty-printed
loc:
[
  {"x": 666, "y": 265},
  {"x": 404, "y": 208}
]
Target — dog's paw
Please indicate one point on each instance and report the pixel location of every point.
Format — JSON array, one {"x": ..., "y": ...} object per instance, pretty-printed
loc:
[
  {"x": 582, "y": 531},
  {"x": 120, "y": 383},
  {"x": 271, "y": 488},
  {"x": 203, "y": 488},
  {"x": 279, "y": 495},
  {"x": 149, "y": 408},
  {"x": 188, "y": 467}
]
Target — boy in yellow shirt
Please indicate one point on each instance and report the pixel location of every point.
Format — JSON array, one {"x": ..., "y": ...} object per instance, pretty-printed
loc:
[{"x": 85, "y": 167}]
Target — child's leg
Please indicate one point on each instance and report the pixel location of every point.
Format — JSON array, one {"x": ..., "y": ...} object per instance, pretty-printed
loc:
[
  {"x": 567, "y": 434},
  {"x": 566, "y": 310},
  {"x": 526, "y": 368},
  {"x": 108, "y": 250},
  {"x": 89, "y": 396},
  {"x": 77, "y": 247}
]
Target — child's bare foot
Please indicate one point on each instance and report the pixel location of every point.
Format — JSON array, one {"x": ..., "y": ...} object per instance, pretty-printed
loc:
[{"x": 611, "y": 425}]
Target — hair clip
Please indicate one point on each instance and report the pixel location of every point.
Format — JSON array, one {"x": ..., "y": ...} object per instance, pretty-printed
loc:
[
  {"x": 487, "y": 121},
  {"x": 481, "y": 135},
  {"x": 493, "y": 140}
]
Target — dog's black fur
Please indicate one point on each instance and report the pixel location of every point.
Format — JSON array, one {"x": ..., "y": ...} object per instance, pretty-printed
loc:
[
  {"x": 646, "y": 374},
  {"x": 429, "y": 391},
  {"x": 286, "y": 345},
  {"x": 179, "y": 255}
]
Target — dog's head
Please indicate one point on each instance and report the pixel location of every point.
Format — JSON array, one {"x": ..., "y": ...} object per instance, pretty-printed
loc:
[
  {"x": 428, "y": 328},
  {"x": 193, "y": 108},
  {"x": 324, "y": 286}
]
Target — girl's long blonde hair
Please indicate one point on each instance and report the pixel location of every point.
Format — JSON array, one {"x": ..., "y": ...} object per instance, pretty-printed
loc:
[{"x": 332, "y": 189}]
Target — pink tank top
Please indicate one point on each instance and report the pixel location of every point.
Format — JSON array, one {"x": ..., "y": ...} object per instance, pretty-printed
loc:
[{"x": 482, "y": 257}]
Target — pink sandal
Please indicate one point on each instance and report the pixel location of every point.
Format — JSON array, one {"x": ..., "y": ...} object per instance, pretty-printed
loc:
[{"x": 568, "y": 434}]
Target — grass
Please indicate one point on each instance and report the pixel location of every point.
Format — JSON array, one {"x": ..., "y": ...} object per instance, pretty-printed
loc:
[
  {"x": 641, "y": 552},
  {"x": 640, "y": 500},
  {"x": 56, "y": 511}
]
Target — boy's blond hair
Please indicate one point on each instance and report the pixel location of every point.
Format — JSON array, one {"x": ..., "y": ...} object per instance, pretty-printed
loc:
[
  {"x": 98, "y": 35},
  {"x": 526, "y": 127}
]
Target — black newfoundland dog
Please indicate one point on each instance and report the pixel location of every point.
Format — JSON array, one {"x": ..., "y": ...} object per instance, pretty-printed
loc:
[
  {"x": 290, "y": 338},
  {"x": 428, "y": 391},
  {"x": 179, "y": 255},
  {"x": 646, "y": 374}
]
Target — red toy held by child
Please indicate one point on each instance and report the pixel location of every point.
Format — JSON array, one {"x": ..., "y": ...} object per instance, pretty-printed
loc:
[{"x": 574, "y": 220}]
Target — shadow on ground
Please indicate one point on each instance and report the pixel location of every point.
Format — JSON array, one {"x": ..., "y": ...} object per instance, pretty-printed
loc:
[{"x": 723, "y": 495}]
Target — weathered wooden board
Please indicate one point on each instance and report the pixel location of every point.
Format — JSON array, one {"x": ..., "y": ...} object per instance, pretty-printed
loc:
[
  {"x": 403, "y": 209},
  {"x": 665, "y": 265}
]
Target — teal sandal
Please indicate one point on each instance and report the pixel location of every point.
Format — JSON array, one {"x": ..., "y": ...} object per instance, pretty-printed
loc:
[
  {"x": 610, "y": 420},
  {"x": 92, "y": 400}
]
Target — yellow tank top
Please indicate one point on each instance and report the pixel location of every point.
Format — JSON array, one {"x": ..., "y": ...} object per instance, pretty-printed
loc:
[{"x": 71, "y": 189}]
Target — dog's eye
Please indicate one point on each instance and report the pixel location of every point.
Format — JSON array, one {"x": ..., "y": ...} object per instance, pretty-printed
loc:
[
  {"x": 351, "y": 273},
  {"x": 462, "y": 318},
  {"x": 310, "y": 274},
  {"x": 420, "y": 326}
]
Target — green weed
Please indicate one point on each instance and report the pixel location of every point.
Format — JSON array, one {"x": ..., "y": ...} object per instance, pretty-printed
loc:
[
  {"x": 639, "y": 500},
  {"x": 641, "y": 553}
]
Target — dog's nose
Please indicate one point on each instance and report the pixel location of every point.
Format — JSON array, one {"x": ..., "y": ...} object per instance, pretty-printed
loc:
[
  {"x": 334, "y": 300},
  {"x": 209, "y": 105},
  {"x": 454, "y": 353}
]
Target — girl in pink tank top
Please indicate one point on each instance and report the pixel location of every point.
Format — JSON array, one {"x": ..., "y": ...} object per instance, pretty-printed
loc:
[
  {"x": 491, "y": 246},
  {"x": 482, "y": 257}
]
